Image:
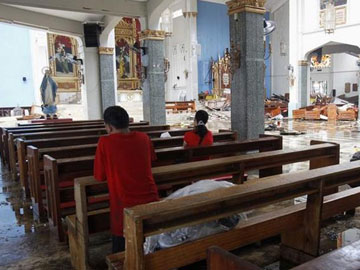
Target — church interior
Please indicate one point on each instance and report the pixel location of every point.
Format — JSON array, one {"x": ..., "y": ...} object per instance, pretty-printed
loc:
[{"x": 278, "y": 187}]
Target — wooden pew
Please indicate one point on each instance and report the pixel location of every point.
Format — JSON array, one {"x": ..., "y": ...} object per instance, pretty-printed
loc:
[
  {"x": 301, "y": 221},
  {"x": 76, "y": 122},
  {"x": 176, "y": 106},
  {"x": 60, "y": 123},
  {"x": 85, "y": 221},
  {"x": 35, "y": 157},
  {"x": 21, "y": 146},
  {"x": 220, "y": 259},
  {"x": 346, "y": 258},
  {"x": 12, "y": 141}
]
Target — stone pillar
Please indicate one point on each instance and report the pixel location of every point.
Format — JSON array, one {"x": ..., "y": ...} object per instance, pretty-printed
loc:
[
  {"x": 303, "y": 83},
  {"x": 92, "y": 84},
  {"x": 154, "y": 84},
  {"x": 107, "y": 77},
  {"x": 247, "y": 53}
]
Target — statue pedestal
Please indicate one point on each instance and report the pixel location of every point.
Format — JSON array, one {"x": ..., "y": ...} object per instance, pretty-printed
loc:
[{"x": 129, "y": 95}]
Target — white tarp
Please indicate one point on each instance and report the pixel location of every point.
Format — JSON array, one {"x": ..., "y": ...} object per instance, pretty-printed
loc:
[{"x": 192, "y": 233}]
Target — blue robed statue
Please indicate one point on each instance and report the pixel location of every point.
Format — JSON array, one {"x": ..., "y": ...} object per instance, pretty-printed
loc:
[{"x": 48, "y": 90}]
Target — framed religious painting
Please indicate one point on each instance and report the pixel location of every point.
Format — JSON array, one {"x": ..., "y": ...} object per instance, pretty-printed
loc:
[
  {"x": 64, "y": 71},
  {"x": 128, "y": 54}
]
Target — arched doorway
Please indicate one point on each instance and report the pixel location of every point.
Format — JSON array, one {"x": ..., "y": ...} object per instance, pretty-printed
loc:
[{"x": 332, "y": 71}]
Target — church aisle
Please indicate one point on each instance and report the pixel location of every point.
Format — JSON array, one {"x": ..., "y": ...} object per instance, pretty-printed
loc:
[{"x": 25, "y": 244}]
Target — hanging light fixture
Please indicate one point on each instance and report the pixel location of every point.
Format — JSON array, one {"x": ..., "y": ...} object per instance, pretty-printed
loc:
[{"x": 330, "y": 17}]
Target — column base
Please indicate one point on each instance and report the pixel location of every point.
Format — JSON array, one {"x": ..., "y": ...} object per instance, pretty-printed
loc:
[{"x": 129, "y": 95}]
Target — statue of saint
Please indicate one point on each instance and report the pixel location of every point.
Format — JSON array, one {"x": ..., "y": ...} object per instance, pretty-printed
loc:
[{"x": 48, "y": 90}]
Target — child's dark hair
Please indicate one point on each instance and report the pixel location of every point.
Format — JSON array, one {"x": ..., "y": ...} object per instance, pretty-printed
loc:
[
  {"x": 201, "y": 118},
  {"x": 117, "y": 117}
]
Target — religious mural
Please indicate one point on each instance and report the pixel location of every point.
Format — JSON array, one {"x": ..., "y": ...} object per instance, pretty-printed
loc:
[
  {"x": 128, "y": 54},
  {"x": 63, "y": 67},
  {"x": 321, "y": 61}
]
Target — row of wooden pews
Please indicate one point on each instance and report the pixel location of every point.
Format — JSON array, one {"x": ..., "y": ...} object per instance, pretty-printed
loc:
[
  {"x": 73, "y": 142},
  {"x": 60, "y": 172},
  {"x": 41, "y": 135},
  {"x": 69, "y": 155},
  {"x": 91, "y": 213},
  {"x": 4, "y": 132}
]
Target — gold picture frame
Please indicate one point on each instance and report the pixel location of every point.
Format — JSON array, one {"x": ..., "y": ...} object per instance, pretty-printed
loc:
[
  {"x": 62, "y": 49},
  {"x": 126, "y": 56}
]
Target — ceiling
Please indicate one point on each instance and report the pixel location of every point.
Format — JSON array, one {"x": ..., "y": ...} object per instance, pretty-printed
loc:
[
  {"x": 82, "y": 16},
  {"x": 71, "y": 15}
]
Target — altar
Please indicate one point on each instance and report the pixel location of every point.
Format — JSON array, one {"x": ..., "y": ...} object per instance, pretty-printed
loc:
[{"x": 128, "y": 60}]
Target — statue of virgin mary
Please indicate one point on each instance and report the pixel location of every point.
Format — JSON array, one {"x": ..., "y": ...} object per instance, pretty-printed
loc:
[{"x": 48, "y": 90}]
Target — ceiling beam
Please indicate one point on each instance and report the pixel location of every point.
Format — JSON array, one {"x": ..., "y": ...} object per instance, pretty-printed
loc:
[
  {"x": 109, "y": 7},
  {"x": 39, "y": 20}
]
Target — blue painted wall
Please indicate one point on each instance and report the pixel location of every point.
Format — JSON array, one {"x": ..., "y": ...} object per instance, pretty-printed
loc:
[
  {"x": 16, "y": 63},
  {"x": 213, "y": 36},
  {"x": 267, "y": 62}
]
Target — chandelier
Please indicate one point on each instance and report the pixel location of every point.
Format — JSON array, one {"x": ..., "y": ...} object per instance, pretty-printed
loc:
[{"x": 330, "y": 17}]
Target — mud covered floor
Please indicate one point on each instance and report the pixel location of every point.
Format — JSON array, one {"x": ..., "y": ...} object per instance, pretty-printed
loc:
[{"x": 29, "y": 244}]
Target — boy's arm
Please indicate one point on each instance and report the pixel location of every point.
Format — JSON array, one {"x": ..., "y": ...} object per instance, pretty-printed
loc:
[{"x": 99, "y": 165}]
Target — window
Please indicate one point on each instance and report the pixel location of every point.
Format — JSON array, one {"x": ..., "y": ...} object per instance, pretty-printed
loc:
[{"x": 177, "y": 13}]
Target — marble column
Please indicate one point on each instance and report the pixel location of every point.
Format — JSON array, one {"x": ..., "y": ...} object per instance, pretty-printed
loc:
[
  {"x": 107, "y": 77},
  {"x": 92, "y": 84},
  {"x": 247, "y": 53},
  {"x": 303, "y": 93},
  {"x": 154, "y": 83},
  {"x": 190, "y": 15}
]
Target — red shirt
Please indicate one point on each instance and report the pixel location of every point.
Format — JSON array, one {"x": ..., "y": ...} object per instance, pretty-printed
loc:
[
  {"x": 192, "y": 139},
  {"x": 124, "y": 160}
]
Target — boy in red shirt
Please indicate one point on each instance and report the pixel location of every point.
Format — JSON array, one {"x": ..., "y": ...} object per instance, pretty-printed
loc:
[
  {"x": 200, "y": 136},
  {"x": 123, "y": 159}
]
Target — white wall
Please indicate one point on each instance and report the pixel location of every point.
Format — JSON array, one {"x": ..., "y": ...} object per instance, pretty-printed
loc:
[
  {"x": 180, "y": 53},
  {"x": 305, "y": 35},
  {"x": 345, "y": 71},
  {"x": 279, "y": 74},
  {"x": 314, "y": 36},
  {"x": 38, "y": 41}
]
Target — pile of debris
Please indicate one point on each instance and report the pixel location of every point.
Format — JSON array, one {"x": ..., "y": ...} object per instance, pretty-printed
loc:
[
  {"x": 277, "y": 105},
  {"x": 338, "y": 109}
]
